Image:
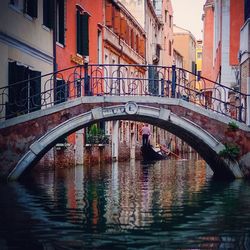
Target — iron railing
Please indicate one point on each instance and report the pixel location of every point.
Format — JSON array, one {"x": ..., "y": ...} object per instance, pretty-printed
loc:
[{"x": 120, "y": 80}]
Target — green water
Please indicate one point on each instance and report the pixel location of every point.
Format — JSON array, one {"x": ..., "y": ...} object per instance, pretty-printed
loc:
[{"x": 163, "y": 205}]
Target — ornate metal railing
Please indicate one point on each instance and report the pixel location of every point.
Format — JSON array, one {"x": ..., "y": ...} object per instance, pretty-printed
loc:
[{"x": 119, "y": 80}]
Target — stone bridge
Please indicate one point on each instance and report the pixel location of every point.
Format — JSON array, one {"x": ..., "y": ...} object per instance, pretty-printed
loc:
[{"x": 25, "y": 139}]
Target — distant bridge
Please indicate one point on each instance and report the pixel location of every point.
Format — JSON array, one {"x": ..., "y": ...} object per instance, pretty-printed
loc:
[{"x": 163, "y": 98}]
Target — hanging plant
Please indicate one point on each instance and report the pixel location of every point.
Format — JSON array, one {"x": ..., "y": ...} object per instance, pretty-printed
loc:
[
  {"x": 233, "y": 126},
  {"x": 230, "y": 152}
]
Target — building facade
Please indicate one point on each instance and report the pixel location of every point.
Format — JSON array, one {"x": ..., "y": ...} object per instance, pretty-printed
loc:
[
  {"x": 222, "y": 23},
  {"x": 244, "y": 55},
  {"x": 26, "y": 47},
  {"x": 79, "y": 40},
  {"x": 198, "y": 59},
  {"x": 124, "y": 44},
  {"x": 185, "y": 44},
  {"x": 208, "y": 34},
  {"x": 156, "y": 18}
]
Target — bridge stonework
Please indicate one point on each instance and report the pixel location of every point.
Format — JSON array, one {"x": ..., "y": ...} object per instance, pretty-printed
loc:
[{"x": 24, "y": 140}]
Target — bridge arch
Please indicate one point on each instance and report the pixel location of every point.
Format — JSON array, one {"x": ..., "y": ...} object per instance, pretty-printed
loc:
[{"x": 202, "y": 141}]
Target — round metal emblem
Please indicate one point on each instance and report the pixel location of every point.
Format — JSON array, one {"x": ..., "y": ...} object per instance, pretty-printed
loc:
[{"x": 131, "y": 108}]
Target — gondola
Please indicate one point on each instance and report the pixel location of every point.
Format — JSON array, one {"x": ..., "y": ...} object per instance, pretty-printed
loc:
[{"x": 149, "y": 153}]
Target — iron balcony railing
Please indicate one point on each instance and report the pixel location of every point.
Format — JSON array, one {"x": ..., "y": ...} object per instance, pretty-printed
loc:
[{"x": 119, "y": 80}]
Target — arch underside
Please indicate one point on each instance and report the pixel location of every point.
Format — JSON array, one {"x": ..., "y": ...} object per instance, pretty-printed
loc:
[{"x": 200, "y": 140}]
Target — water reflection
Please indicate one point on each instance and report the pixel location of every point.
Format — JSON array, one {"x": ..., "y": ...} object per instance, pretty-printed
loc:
[{"x": 162, "y": 205}]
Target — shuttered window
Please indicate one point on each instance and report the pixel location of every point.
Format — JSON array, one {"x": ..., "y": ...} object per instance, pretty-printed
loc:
[
  {"x": 108, "y": 15},
  {"x": 170, "y": 47},
  {"x": 123, "y": 28},
  {"x": 141, "y": 46},
  {"x": 30, "y": 8},
  {"x": 127, "y": 39},
  {"x": 137, "y": 43},
  {"x": 48, "y": 12},
  {"x": 117, "y": 22},
  {"x": 132, "y": 39},
  {"x": 82, "y": 33},
  {"x": 24, "y": 97},
  {"x": 60, "y": 21},
  {"x": 247, "y": 9}
]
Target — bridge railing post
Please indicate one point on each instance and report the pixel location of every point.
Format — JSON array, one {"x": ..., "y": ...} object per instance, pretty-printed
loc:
[
  {"x": 86, "y": 80},
  {"x": 173, "y": 88}
]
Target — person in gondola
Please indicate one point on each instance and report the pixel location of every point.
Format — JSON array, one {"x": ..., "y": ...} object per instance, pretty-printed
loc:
[{"x": 145, "y": 134}]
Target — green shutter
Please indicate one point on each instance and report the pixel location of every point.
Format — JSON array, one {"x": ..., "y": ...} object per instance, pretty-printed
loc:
[
  {"x": 18, "y": 93},
  {"x": 61, "y": 21},
  {"x": 78, "y": 32},
  {"x": 85, "y": 32},
  {"x": 48, "y": 13}
]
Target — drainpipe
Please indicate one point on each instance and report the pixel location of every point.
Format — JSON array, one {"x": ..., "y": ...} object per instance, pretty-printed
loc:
[
  {"x": 54, "y": 39},
  {"x": 121, "y": 50}
]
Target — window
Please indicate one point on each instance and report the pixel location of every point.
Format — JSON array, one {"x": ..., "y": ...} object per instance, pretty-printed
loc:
[
  {"x": 48, "y": 7},
  {"x": 199, "y": 55},
  {"x": 166, "y": 16},
  {"x": 18, "y": 4},
  {"x": 170, "y": 21},
  {"x": 30, "y": 8},
  {"x": 108, "y": 15},
  {"x": 99, "y": 46},
  {"x": 60, "y": 21},
  {"x": 82, "y": 33},
  {"x": 24, "y": 97},
  {"x": 193, "y": 67},
  {"x": 154, "y": 3},
  {"x": 247, "y": 9},
  {"x": 170, "y": 48}
]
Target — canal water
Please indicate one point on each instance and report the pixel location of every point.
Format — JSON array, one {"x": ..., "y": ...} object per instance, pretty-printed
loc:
[{"x": 163, "y": 205}]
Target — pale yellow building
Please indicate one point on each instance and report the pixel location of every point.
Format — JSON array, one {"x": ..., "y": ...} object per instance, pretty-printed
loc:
[
  {"x": 185, "y": 44},
  {"x": 199, "y": 46},
  {"x": 26, "y": 48}
]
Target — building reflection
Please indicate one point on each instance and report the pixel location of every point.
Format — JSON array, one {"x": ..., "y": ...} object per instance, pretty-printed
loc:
[
  {"x": 172, "y": 198},
  {"x": 128, "y": 195}
]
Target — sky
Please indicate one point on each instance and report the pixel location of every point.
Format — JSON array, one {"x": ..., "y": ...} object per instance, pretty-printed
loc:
[{"x": 188, "y": 14}]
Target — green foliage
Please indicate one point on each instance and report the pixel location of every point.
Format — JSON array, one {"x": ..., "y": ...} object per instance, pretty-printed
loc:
[
  {"x": 96, "y": 136},
  {"x": 230, "y": 152},
  {"x": 233, "y": 126}
]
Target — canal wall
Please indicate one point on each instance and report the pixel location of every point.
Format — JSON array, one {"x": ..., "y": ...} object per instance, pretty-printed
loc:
[{"x": 65, "y": 156}]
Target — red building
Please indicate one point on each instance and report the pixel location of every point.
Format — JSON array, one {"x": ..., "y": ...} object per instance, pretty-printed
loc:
[
  {"x": 78, "y": 36},
  {"x": 208, "y": 31},
  {"x": 79, "y": 32}
]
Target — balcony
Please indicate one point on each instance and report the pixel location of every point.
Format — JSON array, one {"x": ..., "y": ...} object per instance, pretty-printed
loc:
[{"x": 111, "y": 38}]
